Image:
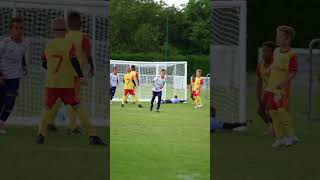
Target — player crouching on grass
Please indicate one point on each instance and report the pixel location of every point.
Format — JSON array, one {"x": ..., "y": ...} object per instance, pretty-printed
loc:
[
  {"x": 219, "y": 125},
  {"x": 61, "y": 64},
  {"x": 158, "y": 84},
  {"x": 283, "y": 70},
  {"x": 114, "y": 82},
  {"x": 193, "y": 78},
  {"x": 130, "y": 83},
  {"x": 12, "y": 67},
  {"x": 196, "y": 91},
  {"x": 263, "y": 74}
]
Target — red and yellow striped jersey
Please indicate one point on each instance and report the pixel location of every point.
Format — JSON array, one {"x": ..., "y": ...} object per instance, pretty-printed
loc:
[
  {"x": 197, "y": 84},
  {"x": 82, "y": 43},
  {"x": 283, "y": 64},
  {"x": 128, "y": 81},
  {"x": 58, "y": 55},
  {"x": 263, "y": 72}
]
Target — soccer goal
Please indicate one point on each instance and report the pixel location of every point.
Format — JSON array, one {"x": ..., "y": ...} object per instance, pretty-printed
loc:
[
  {"x": 228, "y": 59},
  {"x": 38, "y": 15},
  {"x": 313, "y": 62},
  {"x": 176, "y": 78}
]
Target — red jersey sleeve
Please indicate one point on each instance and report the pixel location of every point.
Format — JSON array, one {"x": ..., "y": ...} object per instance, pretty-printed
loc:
[
  {"x": 86, "y": 42},
  {"x": 72, "y": 52},
  {"x": 293, "y": 66},
  {"x": 201, "y": 82}
]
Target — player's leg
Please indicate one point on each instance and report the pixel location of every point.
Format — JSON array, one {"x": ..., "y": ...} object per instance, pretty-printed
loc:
[
  {"x": 12, "y": 86},
  {"x": 52, "y": 116},
  {"x": 135, "y": 98},
  {"x": 287, "y": 122},
  {"x": 53, "y": 95},
  {"x": 152, "y": 100},
  {"x": 72, "y": 115},
  {"x": 112, "y": 92},
  {"x": 69, "y": 98},
  {"x": 2, "y": 97},
  {"x": 159, "y": 94},
  {"x": 276, "y": 120},
  {"x": 72, "y": 124},
  {"x": 125, "y": 97}
]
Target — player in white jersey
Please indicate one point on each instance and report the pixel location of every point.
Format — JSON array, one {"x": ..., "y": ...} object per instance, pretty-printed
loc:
[
  {"x": 12, "y": 67},
  {"x": 114, "y": 81},
  {"x": 158, "y": 84}
]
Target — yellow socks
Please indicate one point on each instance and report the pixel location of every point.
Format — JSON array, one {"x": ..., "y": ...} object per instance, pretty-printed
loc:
[
  {"x": 72, "y": 115},
  {"x": 84, "y": 120}
]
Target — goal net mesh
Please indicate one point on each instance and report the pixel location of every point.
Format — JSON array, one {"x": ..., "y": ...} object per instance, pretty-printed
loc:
[
  {"x": 37, "y": 18},
  {"x": 176, "y": 78},
  {"x": 227, "y": 60}
]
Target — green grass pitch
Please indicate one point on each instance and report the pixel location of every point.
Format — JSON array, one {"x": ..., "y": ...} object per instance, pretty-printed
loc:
[
  {"x": 64, "y": 157},
  {"x": 249, "y": 155},
  {"x": 171, "y": 145}
]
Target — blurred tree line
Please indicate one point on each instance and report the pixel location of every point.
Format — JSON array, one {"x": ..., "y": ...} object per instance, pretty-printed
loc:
[{"x": 138, "y": 31}]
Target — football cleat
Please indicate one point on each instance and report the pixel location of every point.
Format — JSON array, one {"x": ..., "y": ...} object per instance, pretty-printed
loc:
[
  {"x": 95, "y": 140},
  {"x": 40, "y": 139}
]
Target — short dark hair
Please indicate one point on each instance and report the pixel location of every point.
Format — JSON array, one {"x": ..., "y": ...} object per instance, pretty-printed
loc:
[
  {"x": 269, "y": 44},
  {"x": 17, "y": 19},
  {"x": 133, "y": 67},
  {"x": 74, "y": 20},
  {"x": 162, "y": 70}
]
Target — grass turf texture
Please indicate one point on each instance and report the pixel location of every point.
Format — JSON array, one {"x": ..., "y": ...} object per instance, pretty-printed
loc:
[
  {"x": 170, "y": 145},
  {"x": 63, "y": 157},
  {"x": 249, "y": 155}
]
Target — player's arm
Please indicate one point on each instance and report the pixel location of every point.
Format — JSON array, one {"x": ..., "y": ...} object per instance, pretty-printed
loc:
[
  {"x": 86, "y": 45},
  {"x": 75, "y": 63},
  {"x": 134, "y": 81},
  {"x": 44, "y": 60},
  {"x": 76, "y": 66},
  {"x": 137, "y": 78},
  {"x": 24, "y": 65},
  {"x": 201, "y": 84},
  {"x": 293, "y": 68},
  {"x": 259, "y": 83}
]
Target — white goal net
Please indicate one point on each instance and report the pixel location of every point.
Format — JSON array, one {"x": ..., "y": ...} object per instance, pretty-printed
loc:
[
  {"x": 228, "y": 59},
  {"x": 176, "y": 78},
  {"x": 37, "y": 16}
]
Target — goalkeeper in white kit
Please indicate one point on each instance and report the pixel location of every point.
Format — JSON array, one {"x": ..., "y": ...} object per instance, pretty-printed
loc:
[{"x": 158, "y": 84}]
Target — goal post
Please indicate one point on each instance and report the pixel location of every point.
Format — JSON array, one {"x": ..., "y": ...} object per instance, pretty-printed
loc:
[
  {"x": 37, "y": 15},
  {"x": 176, "y": 78},
  {"x": 228, "y": 59}
]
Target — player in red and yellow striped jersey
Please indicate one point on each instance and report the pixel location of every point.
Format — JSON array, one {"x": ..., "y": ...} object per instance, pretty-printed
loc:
[
  {"x": 196, "y": 91},
  {"x": 130, "y": 83},
  {"x": 283, "y": 70},
  {"x": 193, "y": 78},
  {"x": 135, "y": 76},
  {"x": 263, "y": 73},
  {"x": 61, "y": 63},
  {"x": 82, "y": 43}
]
